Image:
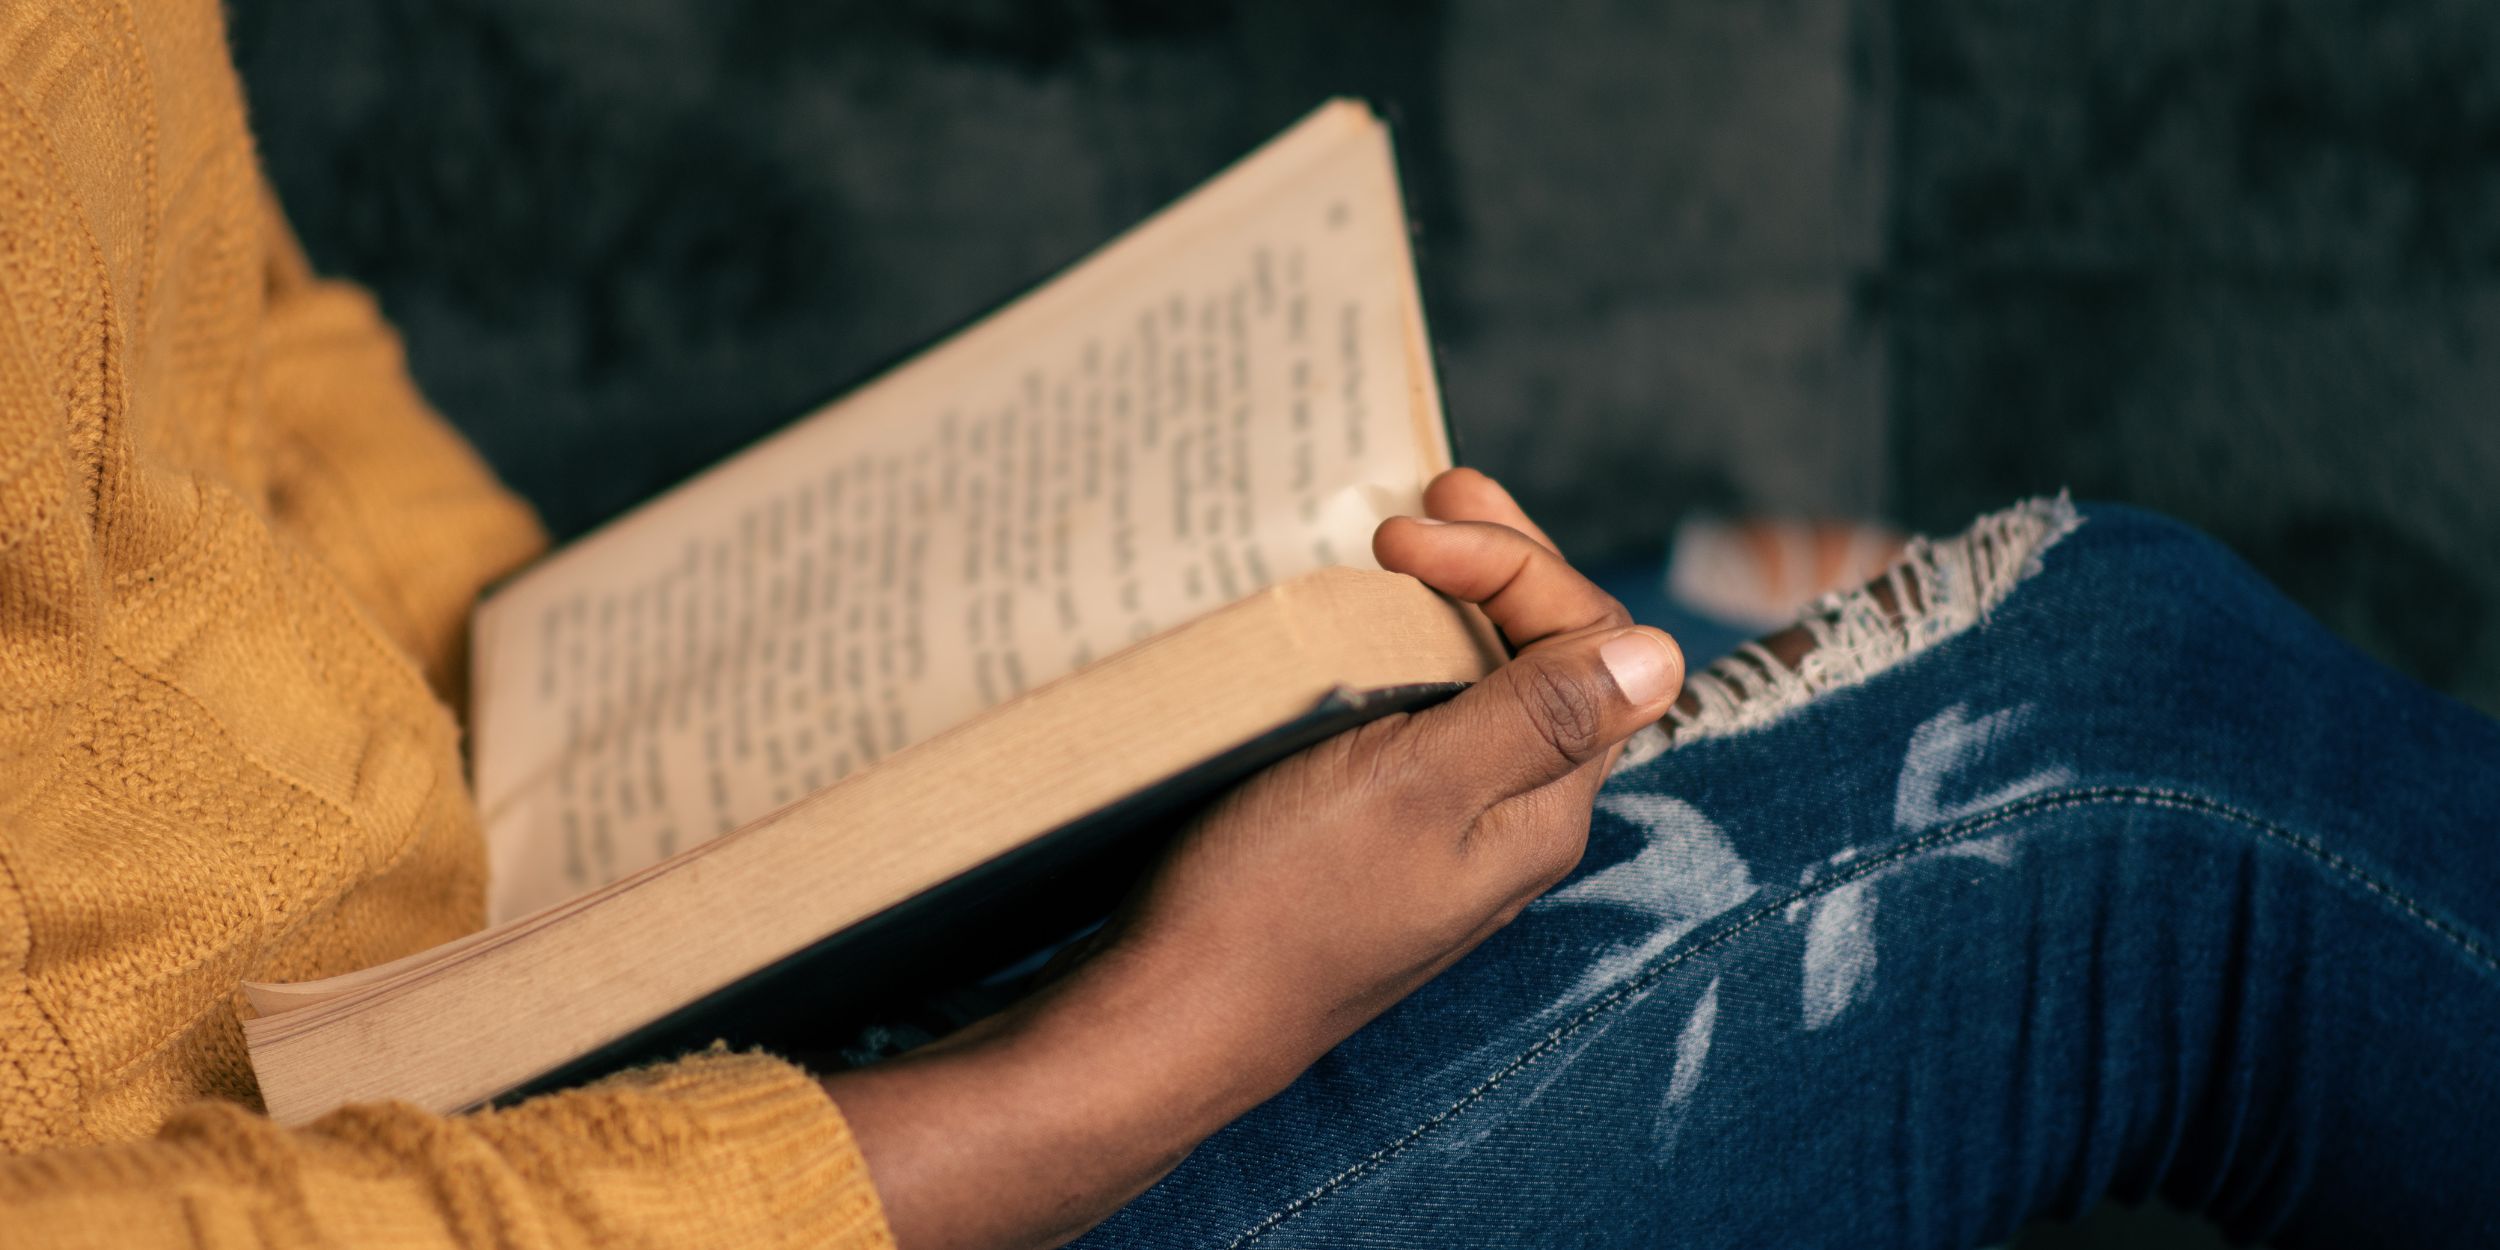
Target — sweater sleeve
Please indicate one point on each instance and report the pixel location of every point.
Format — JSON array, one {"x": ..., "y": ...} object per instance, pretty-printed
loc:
[
  {"x": 364, "y": 474},
  {"x": 232, "y": 535},
  {"x": 718, "y": 1149}
]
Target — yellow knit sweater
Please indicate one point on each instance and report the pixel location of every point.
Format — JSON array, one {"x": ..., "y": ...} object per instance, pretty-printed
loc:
[{"x": 236, "y": 557}]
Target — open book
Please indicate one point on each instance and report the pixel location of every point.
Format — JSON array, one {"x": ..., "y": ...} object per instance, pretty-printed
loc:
[{"x": 968, "y": 634}]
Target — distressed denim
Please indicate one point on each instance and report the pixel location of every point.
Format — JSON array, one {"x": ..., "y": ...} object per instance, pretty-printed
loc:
[{"x": 2123, "y": 878}]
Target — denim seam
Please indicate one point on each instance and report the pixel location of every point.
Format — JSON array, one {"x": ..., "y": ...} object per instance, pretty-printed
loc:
[{"x": 1965, "y": 829}]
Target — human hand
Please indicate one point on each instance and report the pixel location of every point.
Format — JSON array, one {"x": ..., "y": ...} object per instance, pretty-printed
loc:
[
  {"x": 1299, "y": 907},
  {"x": 1337, "y": 882}
]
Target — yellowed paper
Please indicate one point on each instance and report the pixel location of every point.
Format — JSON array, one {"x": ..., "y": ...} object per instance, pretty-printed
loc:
[{"x": 1221, "y": 400}]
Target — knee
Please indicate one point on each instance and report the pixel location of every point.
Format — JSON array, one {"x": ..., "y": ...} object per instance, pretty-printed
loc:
[
  {"x": 2051, "y": 585},
  {"x": 2144, "y": 589},
  {"x": 2144, "y": 626},
  {"x": 2090, "y": 559},
  {"x": 2123, "y": 552}
]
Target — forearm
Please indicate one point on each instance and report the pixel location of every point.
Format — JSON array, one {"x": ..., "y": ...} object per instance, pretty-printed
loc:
[
  {"x": 1032, "y": 1126},
  {"x": 361, "y": 471}
]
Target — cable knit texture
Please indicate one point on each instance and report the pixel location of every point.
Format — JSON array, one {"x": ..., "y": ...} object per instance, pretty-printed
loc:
[{"x": 236, "y": 557}]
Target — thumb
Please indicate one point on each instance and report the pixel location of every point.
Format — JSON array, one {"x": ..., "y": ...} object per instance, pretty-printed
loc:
[{"x": 1546, "y": 713}]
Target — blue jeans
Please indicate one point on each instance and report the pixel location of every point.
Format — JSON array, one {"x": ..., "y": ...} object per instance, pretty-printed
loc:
[{"x": 2142, "y": 883}]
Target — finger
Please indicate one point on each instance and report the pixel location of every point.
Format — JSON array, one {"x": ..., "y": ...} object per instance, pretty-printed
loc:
[
  {"x": 1546, "y": 713},
  {"x": 1528, "y": 591},
  {"x": 1466, "y": 495}
]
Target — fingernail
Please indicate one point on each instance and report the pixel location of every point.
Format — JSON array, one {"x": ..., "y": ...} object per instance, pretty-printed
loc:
[
  {"x": 1426, "y": 520},
  {"x": 1640, "y": 665}
]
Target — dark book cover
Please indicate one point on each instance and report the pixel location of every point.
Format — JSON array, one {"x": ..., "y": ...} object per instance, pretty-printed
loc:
[{"x": 996, "y": 916}]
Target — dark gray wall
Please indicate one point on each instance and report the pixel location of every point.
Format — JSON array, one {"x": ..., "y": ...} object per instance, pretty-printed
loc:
[{"x": 2234, "y": 259}]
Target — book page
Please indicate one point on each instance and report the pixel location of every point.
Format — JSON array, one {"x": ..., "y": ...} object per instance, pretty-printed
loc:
[{"x": 1225, "y": 398}]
